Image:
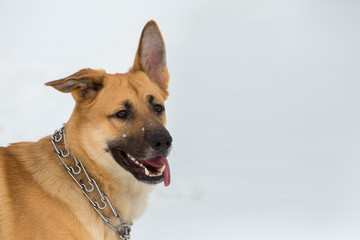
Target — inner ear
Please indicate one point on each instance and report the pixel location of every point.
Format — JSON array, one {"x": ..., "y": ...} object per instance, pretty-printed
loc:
[
  {"x": 88, "y": 91},
  {"x": 151, "y": 55}
]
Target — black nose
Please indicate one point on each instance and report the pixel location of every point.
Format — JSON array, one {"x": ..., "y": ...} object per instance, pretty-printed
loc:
[{"x": 160, "y": 141}]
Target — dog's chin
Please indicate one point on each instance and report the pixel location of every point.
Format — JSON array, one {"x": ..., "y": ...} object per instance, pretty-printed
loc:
[{"x": 151, "y": 171}]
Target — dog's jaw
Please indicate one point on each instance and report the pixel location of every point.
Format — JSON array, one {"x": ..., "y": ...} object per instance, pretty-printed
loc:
[{"x": 150, "y": 171}]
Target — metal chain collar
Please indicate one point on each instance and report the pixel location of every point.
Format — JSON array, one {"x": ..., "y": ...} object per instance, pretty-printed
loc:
[{"x": 123, "y": 230}]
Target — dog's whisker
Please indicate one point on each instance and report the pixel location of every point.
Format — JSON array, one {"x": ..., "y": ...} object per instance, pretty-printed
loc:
[{"x": 101, "y": 155}]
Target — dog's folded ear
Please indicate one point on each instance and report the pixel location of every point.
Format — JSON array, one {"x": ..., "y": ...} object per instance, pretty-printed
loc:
[
  {"x": 151, "y": 57},
  {"x": 84, "y": 84}
]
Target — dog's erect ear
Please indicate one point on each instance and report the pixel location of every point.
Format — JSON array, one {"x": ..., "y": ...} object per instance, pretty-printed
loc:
[
  {"x": 84, "y": 84},
  {"x": 151, "y": 57}
]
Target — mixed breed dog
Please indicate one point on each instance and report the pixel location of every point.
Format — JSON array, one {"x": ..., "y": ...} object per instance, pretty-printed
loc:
[{"x": 91, "y": 178}]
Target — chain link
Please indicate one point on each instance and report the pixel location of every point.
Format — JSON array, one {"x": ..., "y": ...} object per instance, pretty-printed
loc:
[{"x": 123, "y": 230}]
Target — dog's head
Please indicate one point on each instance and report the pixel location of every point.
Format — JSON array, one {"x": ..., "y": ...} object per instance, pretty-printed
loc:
[{"x": 119, "y": 119}]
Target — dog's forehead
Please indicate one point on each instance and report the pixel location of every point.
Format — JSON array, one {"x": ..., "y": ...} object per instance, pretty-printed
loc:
[{"x": 133, "y": 87}]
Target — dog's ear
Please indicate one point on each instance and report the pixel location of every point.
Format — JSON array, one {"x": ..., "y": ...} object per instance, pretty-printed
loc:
[
  {"x": 151, "y": 57},
  {"x": 84, "y": 84}
]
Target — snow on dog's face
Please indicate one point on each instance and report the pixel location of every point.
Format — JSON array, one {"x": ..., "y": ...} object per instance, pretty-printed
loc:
[{"x": 121, "y": 117}]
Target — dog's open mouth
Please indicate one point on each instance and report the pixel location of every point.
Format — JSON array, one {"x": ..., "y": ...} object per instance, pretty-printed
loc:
[{"x": 150, "y": 171}]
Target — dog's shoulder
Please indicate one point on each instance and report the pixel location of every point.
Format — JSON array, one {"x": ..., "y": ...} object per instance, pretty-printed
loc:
[{"x": 24, "y": 158}]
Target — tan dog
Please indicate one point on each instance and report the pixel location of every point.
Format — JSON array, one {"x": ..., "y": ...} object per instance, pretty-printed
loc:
[{"x": 117, "y": 133}]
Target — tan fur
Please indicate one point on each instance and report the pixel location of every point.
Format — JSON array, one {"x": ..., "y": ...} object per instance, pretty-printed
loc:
[{"x": 38, "y": 198}]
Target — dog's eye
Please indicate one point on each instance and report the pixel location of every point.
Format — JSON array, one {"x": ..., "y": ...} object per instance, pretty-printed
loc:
[
  {"x": 122, "y": 114},
  {"x": 158, "y": 109}
]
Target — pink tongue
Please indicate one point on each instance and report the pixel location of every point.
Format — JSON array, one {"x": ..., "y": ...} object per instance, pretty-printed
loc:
[{"x": 158, "y": 162}]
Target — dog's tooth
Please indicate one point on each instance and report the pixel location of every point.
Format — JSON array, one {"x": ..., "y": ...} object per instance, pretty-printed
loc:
[
  {"x": 137, "y": 162},
  {"x": 155, "y": 175},
  {"x": 161, "y": 170},
  {"x": 147, "y": 172},
  {"x": 130, "y": 157}
]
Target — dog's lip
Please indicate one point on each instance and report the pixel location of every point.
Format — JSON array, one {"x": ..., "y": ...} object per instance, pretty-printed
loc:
[{"x": 150, "y": 171}]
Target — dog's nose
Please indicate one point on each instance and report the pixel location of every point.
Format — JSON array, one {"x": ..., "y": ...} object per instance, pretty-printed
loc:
[{"x": 160, "y": 141}]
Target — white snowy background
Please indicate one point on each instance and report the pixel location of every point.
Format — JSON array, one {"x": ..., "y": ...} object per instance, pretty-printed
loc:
[{"x": 264, "y": 107}]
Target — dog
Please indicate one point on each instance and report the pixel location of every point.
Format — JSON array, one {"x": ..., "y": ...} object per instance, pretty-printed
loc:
[{"x": 91, "y": 178}]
